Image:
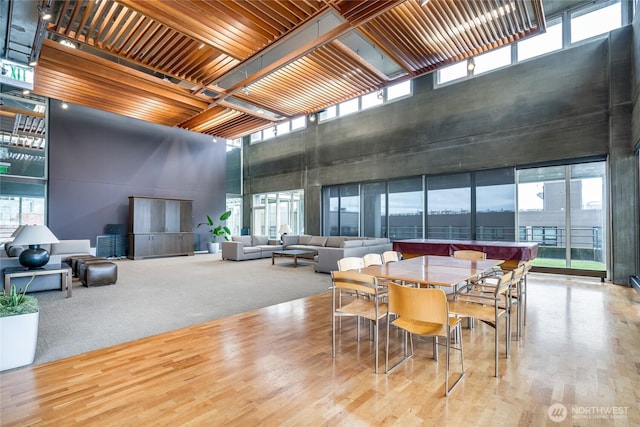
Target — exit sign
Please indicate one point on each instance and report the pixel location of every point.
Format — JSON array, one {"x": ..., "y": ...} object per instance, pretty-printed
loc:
[{"x": 15, "y": 74}]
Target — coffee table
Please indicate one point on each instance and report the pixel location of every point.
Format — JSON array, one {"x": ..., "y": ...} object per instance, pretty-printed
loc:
[{"x": 290, "y": 253}]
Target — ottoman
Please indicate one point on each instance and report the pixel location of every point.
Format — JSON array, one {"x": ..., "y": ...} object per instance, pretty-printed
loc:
[
  {"x": 73, "y": 262},
  {"x": 98, "y": 273}
]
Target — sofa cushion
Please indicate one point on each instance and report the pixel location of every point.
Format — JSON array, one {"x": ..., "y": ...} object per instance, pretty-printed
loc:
[
  {"x": 269, "y": 248},
  {"x": 351, "y": 243},
  {"x": 251, "y": 249},
  {"x": 370, "y": 242},
  {"x": 289, "y": 240},
  {"x": 259, "y": 240},
  {"x": 82, "y": 246},
  {"x": 13, "y": 250},
  {"x": 245, "y": 240},
  {"x": 318, "y": 241},
  {"x": 334, "y": 241},
  {"x": 304, "y": 239}
]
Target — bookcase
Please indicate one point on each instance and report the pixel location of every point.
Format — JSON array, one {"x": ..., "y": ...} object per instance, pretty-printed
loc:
[{"x": 160, "y": 227}]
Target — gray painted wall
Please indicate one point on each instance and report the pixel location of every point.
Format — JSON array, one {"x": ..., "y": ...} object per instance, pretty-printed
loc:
[
  {"x": 551, "y": 108},
  {"x": 97, "y": 160}
]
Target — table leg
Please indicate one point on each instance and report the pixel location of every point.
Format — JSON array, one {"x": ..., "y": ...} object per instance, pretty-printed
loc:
[
  {"x": 69, "y": 281},
  {"x": 7, "y": 284},
  {"x": 295, "y": 260}
]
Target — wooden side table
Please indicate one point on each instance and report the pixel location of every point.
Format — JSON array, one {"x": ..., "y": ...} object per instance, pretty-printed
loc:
[{"x": 64, "y": 272}]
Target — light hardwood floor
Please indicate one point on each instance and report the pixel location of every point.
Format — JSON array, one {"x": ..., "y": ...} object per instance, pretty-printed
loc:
[{"x": 273, "y": 367}]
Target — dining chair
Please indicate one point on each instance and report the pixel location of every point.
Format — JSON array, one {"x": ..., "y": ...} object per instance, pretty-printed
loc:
[
  {"x": 350, "y": 263},
  {"x": 391, "y": 256},
  {"x": 489, "y": 308},
  {"x": 424, "y": 312},
  {"x": 364, "y": 301},
  {"x": 372, "y": 259},
  {"x": 470, "y": 255},
  {"x": 523, "y": 292},
  {"x": 516, "y": 294}
]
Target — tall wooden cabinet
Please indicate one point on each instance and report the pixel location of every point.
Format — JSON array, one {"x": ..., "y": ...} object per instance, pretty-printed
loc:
[{"x": 160, "y": 227}]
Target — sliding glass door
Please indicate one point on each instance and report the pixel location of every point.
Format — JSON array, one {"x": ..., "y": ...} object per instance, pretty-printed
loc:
[{"x": 562, "y": 208}]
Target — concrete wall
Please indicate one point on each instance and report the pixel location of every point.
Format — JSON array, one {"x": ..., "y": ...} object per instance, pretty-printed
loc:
[{"x": 551, "y": 108}]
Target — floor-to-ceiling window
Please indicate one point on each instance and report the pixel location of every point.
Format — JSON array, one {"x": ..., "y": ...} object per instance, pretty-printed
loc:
[
  {"x": 481, "y": 205},
  {"x": 374, "y": 203},
  {"x": 449, "y": 206},
  {"x": 406, "y": 208},
  {"x": 23, "y": 154},
  {"x": 270, "y": 211},
  {"x": 562, "y": 208},
  {"x": 495, "y": 205}
]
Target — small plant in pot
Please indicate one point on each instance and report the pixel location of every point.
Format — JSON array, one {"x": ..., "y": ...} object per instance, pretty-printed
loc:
[
  {"x": 216, "y": 231},
  {"x": 19, "y": 315}
]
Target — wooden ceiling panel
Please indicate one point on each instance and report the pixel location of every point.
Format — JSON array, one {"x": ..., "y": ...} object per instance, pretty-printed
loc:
[
  {"x": 198, "y": 64},
  {"x": 424, "y": 38}
]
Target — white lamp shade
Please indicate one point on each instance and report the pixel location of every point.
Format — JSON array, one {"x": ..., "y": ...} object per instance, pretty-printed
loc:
[
  {"x": 284, "y": 229},
  {"x": 34, "y": 235},
  {"x": 17, "y": 231}
]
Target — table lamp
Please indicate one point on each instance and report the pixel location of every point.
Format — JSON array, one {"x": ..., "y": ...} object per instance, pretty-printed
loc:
[
  {"x": 34, "y": 256},
  {"x": 284, "y": 230}
]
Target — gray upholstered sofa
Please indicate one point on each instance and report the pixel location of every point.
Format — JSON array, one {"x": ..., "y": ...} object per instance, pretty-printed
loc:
[
  {"x": 324, "y": 250},
  {"x": 58, "y": 254},
  {"x": 241, "y": 248}
]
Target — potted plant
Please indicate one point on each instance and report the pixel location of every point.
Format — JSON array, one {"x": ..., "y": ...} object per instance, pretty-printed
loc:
[
  {"x": 216, "y": 231},
  {"x": 19, "y": 315}
]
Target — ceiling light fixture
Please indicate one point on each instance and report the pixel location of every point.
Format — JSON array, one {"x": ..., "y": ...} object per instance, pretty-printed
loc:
[
  {"x": 471, "y": 64},
  {"x": 423, "y": 2},
  {"x": 312, "y": 117},
  {"x": 245, "y": 90},
  {"x": 64, "y": 105},
  {"x": 380, "y": 95},
  {"x": 45, "y": 15},
  {"x": 67, "y": 43}
]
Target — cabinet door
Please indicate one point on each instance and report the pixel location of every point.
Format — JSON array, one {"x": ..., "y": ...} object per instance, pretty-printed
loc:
[
  {"x": 148, "y": 215},
  {"x": 172, "y": 216},
  {"x": 186, "y": 216}
]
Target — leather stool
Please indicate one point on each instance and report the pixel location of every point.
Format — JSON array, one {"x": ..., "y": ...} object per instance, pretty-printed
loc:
[
  {"x": 82, "y": 263},
  {"x": 73, "y": 262},
  {"x": 98, "y": 273}
]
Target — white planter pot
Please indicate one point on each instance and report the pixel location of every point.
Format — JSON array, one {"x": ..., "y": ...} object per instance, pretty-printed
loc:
[
  {"x": 18, "y": 338},
  {"x": 213, "y": 248}
]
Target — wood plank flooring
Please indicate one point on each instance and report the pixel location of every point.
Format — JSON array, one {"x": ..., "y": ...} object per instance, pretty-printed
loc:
[{"x": 273, "y": 367}]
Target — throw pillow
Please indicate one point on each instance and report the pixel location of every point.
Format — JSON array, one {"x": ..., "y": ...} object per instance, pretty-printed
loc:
[
  {"x": 334, "y": 241},
  {"x": 245, "y": 240},
  {"x": 318, "y": 241},
  {"x": 260, "y": 240},
  {"x": 289, "y": 240},
  {"x": 304, "y": 239}
]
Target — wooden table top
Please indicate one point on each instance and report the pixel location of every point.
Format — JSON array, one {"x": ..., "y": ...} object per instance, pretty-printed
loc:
[{"x": 431, "y": 270}]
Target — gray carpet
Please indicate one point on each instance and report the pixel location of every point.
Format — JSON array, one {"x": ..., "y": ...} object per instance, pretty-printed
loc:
[{"x": 158, "y": 295}]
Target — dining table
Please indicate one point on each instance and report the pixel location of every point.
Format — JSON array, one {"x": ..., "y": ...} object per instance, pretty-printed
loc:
[{"x": 432, "y": 270}]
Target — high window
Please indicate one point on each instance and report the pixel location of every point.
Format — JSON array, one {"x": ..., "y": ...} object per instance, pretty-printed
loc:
[
  {"x": 23, "y": 160},
  {"x": 586, "y": 22}
]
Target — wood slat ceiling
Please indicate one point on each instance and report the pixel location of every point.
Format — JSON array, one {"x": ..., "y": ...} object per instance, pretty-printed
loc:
[{"x": 194, "y": 64}]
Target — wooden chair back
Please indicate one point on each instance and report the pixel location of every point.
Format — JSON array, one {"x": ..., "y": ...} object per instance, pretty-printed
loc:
[
  {"x": 427, "y": 305},
  {"x": 350, "y": 263},
  {"x": 372, "y": 259},
  {"x": 470, "y": 255},
  {"x": 390, "y": 256}
]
